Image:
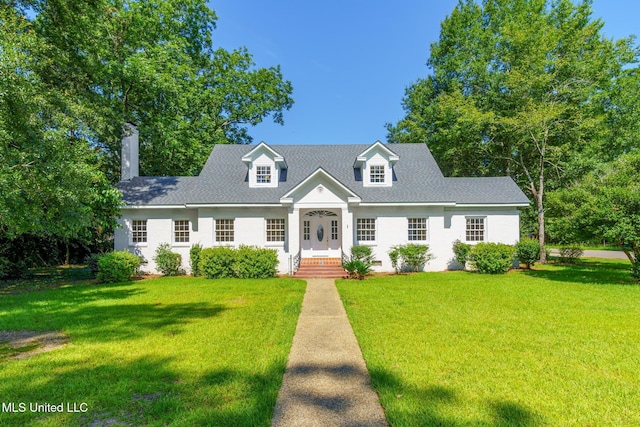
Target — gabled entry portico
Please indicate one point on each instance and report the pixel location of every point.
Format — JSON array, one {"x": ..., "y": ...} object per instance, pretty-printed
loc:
[{"x": 320, "y": 219}]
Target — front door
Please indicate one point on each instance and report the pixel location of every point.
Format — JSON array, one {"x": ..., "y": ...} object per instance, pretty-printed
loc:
[{"x": 320, "y": 234}]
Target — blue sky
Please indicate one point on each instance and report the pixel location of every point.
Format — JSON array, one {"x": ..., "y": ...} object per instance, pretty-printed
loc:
[{"x": 350, "y": 60}]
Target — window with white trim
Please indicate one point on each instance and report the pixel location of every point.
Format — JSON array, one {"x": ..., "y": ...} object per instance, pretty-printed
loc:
[
  {"x": 139, "y": 231},
  {"x": 224, "y": 230},
  {"x": 475, "y": 229},
  {"x": 306, "y": 230},
  {"x": 181, "y": 231},
  {"x": 377, "y": 174},
  {"x": 275, "y": 230},
  {"x": 417, "y": 229},
  {"x": 263, "y": 174},
  {"x": 366, "y": 229},
  {"x": 334, "y": 229}
]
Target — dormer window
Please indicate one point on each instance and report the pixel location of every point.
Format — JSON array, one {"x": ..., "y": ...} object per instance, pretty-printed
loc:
[
  {"x": 263, "y": 174},
  {"x": 375, "y": 166},
  {"x": 377, "y": 174},
  {"x": 264, "y": 166}
]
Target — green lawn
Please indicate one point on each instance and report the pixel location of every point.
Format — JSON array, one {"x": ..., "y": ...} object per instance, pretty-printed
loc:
[
  {"x": 168, "y": 351},
  {"x": 555, "y": 346}
]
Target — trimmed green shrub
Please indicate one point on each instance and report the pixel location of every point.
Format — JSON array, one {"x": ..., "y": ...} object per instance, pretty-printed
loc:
[
  {"x": 117, "y": 266},
  {"x": 194, "y": 259},
  {"x": 167, "y": 262},
  {"x": 255, "y": 263},
  {"x": 528, "y": 251},
  {"x": 409, "y": 257},
  {"x": 357, "y": 268},
  {"x": 570, "y": 253},
  {"x": 247, "y": 262},
  {"x": 635, "y": 271},
  {"x": 217, "y": 263},
  {"x": 492, "y": 258},
  {"x": 359, "y": 265},
  {"x": 461, "y": 252},
  {"x": 415, "y": 256},
  {"x": 396, "y": 261},
  {"x": 362, "y": 253}
]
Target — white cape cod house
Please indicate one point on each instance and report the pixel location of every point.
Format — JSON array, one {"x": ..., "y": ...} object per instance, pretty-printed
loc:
[{"x": 315, "y": 201}]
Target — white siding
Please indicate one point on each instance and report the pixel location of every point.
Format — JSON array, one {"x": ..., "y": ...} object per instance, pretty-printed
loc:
[
  {"x": 392, "y": 230},
  {"x": 249, "y": 229},
  {"x": 444, "y": 226}
]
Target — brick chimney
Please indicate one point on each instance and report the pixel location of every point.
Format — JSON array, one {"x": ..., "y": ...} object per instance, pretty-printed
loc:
[{"x": 130, "y": 152}]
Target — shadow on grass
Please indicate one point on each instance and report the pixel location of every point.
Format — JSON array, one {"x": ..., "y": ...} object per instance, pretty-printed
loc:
[
  {"x": 249, "y": 400},
  {"x": 513, "y": 414},
  {"x": 95, "y": 313},
  {"x": 111, "y": 392},
  {"x": 126, "y": 321},
  {"x": 141, "y": 392},
  {"x": 593, "y": 272},
  {"x": 407, "y": 405}
]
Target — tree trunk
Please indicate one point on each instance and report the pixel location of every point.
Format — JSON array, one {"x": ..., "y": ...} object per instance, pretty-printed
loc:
[
  {"x": 543, "y": 252},
  {"x": 540, "y": 203}
]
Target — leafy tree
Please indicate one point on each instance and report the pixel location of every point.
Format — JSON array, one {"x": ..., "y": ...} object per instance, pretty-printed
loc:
[
  {"x": 606, "y": 203},
  {"x": 528, "y": 89},
  {"x": 73, "y": 72},
  {"x": 153, "y": 63},
  {"x": 50, "y": 183}
]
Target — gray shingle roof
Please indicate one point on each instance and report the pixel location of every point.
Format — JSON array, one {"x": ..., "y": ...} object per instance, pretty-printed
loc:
[{"x": 224, "y": 179}]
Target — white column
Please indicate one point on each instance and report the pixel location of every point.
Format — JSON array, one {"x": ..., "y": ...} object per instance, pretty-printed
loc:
[
  {"x": 347, "y": 230},
  {"x": 293, "y": 231}
]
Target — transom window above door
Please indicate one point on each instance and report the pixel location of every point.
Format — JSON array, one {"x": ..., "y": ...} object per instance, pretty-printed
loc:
[{"x": 320, "y": 213}]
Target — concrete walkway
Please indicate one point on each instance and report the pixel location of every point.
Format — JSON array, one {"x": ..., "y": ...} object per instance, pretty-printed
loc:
[{"x": 326, "y": 382}]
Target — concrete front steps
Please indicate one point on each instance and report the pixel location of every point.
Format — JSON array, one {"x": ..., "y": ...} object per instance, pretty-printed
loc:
[{"x": 330, "y": 268}]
